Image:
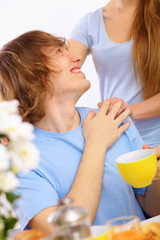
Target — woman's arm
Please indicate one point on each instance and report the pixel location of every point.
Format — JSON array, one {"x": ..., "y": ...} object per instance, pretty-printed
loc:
[
  {"x": 78, "y": 48},
  {"x": 100, "y": 132},
  {"x": 149, "y": 108},
  {"x": 146, "y": 109},
  {"x": 150, "y": 202}
]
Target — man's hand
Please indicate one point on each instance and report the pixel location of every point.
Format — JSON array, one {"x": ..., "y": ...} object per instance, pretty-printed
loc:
[{"x": 102, "y": 128}]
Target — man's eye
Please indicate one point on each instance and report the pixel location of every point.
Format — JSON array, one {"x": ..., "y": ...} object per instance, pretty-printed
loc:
[{"x": 58, "y": 50}]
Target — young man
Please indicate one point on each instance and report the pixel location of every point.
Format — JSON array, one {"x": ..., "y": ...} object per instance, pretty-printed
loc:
[{"x": 77, "y": 155}]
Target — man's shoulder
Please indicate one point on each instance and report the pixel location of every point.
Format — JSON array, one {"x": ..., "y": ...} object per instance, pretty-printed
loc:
[
  {"x": 132, "y": 136},
  {"x": 83, "y": 111}
]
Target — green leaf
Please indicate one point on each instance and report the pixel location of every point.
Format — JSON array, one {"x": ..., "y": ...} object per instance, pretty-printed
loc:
[
  {"x": 11, "y": 197},
  {"x": 2, "y": 234},
  {"x": 9, "y": 223},
  {"x": 2, "y": 135}
]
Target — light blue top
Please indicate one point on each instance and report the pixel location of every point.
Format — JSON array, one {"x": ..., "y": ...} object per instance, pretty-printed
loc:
[
  {"x": 60, "y": 156},
  {"x": 114, "y": 66}
]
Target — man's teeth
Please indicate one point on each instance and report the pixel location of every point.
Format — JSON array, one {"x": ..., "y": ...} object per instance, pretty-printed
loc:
[{"x": 76, "y": 70}]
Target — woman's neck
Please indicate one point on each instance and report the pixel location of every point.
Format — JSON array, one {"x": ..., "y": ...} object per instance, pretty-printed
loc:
[
  {"x": 123, "y": 4},
  {"x": 60, "y": 116}
]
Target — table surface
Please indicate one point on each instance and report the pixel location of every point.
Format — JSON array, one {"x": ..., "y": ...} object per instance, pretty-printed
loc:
[{"x": 153, "y": 219}]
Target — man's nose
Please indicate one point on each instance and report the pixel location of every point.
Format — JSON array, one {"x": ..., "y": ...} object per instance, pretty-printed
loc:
[{"x": 74, "y": 57}]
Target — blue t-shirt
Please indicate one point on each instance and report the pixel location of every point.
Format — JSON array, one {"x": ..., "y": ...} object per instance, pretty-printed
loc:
[
  {"x": 114, "y": 66},
  {"x": 60, "y": 156}
]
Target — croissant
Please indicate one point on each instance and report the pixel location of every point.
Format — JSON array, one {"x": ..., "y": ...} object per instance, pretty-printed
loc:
[
  {"x": 29, "y": 235},
  {"x": 151, "y": 231}
]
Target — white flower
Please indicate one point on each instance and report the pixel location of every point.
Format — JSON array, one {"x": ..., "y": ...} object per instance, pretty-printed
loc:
[
  {"x": 19, "y": 155},
  {"x": 4, "y": 164},
  {"x": 9, "y": 123},
  {"x": 25, "y": 131},
  {"x": 24, "y": 156},
  {"x": 8, "y": 181},
  {"x": 15, "y": 129},
  {"x": 9, "y": 107}
]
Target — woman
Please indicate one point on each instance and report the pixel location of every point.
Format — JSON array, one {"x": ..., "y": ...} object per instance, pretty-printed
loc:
[
  {"x": 123, "y": 38},
  {"x": 37, "y": 69}
]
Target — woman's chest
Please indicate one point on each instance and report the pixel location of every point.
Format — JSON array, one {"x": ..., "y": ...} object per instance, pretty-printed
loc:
[{"x": 118, "y": 24}]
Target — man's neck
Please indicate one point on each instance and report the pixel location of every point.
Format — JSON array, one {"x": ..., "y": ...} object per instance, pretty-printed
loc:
[{"x": 60, "y": 116}]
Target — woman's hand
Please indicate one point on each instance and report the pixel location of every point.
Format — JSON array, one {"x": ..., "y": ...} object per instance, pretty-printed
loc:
[
  {"x": 102, "y": 129},
  {"x": 157, "y": 150},
  {"x": 123, "y": 107}
]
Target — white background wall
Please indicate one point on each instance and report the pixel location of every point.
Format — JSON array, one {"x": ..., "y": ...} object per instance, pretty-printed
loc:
[{"x": 54, "y": 16}]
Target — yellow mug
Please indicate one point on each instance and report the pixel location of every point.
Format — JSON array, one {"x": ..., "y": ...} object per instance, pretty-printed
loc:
[{"x": 138, "y": 168}]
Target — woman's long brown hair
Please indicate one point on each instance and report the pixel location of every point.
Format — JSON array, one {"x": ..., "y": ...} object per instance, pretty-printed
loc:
[{"x": 146, "y": 45}]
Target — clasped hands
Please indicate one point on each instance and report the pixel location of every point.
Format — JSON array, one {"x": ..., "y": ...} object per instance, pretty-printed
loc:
[{"x": 122, "y": 108}]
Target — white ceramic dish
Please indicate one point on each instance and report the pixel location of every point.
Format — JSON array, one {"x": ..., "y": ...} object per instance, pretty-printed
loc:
[
  {"x": 153, "y": 219},
  {"x": 96, "y": 229}
]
